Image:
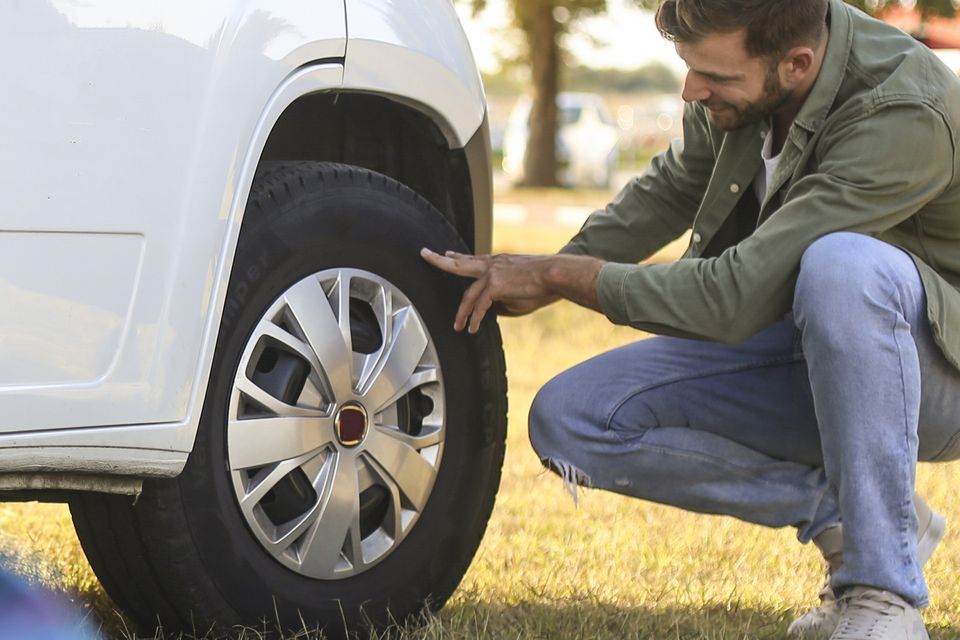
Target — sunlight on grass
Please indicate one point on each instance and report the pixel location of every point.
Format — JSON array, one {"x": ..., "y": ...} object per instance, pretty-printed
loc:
[{"x": 612, "y": 568}]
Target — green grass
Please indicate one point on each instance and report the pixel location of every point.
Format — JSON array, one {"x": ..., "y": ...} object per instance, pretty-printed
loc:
[{"x": 611, "y": 568}]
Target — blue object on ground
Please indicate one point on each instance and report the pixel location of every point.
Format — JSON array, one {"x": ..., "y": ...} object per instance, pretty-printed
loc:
[{"x": 27, "y": 613}]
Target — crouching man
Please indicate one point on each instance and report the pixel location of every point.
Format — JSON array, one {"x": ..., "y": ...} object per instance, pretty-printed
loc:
[{"x": 810, "y": 337}]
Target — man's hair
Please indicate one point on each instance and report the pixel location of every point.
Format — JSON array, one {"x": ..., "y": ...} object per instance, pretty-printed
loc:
[{"x": 772, "y": 26}]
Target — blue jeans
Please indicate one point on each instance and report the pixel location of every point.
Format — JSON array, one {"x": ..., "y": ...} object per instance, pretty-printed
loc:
[{"x": 818, "y": 419}]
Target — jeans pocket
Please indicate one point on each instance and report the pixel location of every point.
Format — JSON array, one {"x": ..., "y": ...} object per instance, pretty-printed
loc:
[{"x": 950, "y": 451}]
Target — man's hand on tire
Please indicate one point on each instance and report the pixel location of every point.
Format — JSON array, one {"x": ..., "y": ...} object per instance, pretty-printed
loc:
[{"x": 518, "y": 284}]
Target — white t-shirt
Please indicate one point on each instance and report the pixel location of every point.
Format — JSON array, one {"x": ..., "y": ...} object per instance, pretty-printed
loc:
[{"x": 765, "y": 176}]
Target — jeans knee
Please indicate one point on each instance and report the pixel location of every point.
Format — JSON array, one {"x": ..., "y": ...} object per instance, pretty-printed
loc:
[
  {"x": 544, "y": 420},
  {"x": 550, "y": 437},
  {"x": 841, "y": 269},
  {"x": 830, "y": 267}
]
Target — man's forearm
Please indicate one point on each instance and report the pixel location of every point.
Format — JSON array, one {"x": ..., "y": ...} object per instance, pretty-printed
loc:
[{"x": 574, "y": 278}]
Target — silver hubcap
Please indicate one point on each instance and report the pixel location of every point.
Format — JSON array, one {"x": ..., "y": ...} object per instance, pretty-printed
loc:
[{"x": 336, "y": 423}]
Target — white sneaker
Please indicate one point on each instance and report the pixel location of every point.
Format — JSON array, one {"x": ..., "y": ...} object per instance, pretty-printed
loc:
[
  {"x": 820, "y": 621},
  {"x": 872, "y": 614}
]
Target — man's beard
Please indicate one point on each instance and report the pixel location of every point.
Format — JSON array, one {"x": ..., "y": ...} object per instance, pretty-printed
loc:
[{"x": 736, "y": 117}]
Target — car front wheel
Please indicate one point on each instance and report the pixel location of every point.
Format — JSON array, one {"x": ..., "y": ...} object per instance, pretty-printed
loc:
[{"x": 350, "y": 445}]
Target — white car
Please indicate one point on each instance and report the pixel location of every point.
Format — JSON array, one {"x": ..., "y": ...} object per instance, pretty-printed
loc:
[
  {"x": 218, "y": 341},
  {"x": 587, "y": 141}
]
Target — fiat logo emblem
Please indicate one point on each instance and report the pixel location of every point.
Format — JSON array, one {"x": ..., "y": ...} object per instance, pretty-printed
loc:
[{"x": 351, "y": 424}]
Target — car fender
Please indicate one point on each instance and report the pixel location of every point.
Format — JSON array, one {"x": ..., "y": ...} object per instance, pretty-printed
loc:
[{"x": 388, "y": 44}]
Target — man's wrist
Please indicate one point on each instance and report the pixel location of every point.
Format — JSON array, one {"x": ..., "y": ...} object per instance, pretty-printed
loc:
[{"x": 574, "y": 277}]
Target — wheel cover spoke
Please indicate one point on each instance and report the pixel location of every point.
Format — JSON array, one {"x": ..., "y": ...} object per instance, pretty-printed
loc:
[
  {"x": 428, "y": 438},
  {"x": 325, "y": 334},
  {"x": 418, "y": 379},
  {"x": 251, "y": 391},
  {"x": 406, "y": 467},
  {"x": 398, "y": 362},
  {"x": 337, "y": 518},
  {"x": 257, "y": 442},
  {"x": 396, "y": 505},
  {"x": 259, "y": 488},
  {"x": 326, "y": 497},
  {"x": 269, "y": 329}
]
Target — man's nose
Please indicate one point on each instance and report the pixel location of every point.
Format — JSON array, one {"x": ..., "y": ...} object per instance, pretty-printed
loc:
[{"x": 694, "y": 88}]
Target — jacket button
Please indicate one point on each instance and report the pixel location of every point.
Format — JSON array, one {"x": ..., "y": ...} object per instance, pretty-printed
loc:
[
  {"x": 734, "y": 188},
  {"x": 696, "y": 238}
]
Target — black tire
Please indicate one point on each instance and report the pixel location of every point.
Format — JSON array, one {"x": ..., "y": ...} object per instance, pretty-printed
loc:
[{"x": 184, "y": 557}]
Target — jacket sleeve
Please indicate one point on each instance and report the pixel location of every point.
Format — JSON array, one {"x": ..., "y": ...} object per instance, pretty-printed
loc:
[
  {"x": 656, "y": 207},
  {"x": 874, "y": 172}
]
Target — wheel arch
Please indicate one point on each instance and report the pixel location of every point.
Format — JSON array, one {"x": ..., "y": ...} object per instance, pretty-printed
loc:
[{"x": 404, "y": 141}]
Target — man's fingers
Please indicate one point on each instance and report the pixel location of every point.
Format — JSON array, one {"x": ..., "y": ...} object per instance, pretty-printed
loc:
[
  {"x": 468, "y": 302},
  {"x": 480, "y": 309},
  {"x": 439, "y": 261},
  {"x": 458, "y": 264},
  {"x": 484, "y": 257}
]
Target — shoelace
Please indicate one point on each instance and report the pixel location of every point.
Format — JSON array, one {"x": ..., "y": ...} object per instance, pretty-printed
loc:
[{"x": 866, "y": 614}]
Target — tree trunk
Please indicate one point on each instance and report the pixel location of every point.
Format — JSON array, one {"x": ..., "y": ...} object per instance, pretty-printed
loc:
[{"x": 540, "y": 162}]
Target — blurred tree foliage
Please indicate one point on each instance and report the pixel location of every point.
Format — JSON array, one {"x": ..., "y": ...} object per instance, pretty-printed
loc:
[
  {"x": 543, "y": 22},
  {"x": 651, "y": 77}
]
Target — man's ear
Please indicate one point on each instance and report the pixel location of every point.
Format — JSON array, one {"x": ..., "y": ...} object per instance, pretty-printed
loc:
[{"x": 796, "y": 65}]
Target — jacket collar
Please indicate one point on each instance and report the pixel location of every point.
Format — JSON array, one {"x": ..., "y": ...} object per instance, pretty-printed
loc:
[{"x": 817, "y": 105}]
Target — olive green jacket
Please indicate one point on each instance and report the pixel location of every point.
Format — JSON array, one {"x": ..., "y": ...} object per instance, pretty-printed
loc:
[{"x": 873, "y": 150}]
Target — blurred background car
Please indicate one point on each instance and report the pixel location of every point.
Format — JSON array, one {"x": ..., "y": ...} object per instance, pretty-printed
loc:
[{"x": 587, "y": 141}]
